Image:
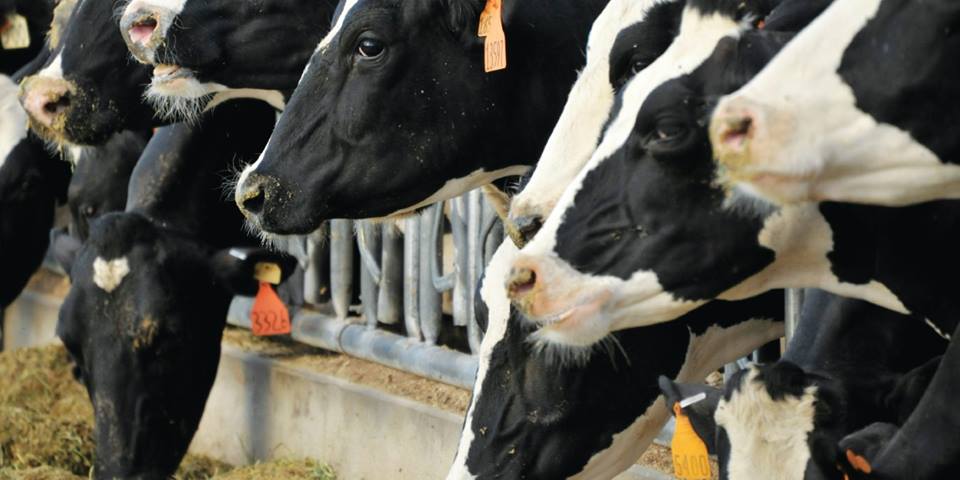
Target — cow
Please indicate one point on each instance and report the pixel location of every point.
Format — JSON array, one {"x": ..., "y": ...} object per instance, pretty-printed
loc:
[
  {"x": 842, "y": 371},
  {"x": 625, "y": 39},
  {"x": 204, "y": 52},
  {"x": 150, "y": 290},
  {"x": 817, "y": 125},
  {"x": 100, "y": 178},
  {"x": 381, "y": 125},
  {"x": 643, "y": 241},
  {"x": 89, "y": 88},
  {"x": 540, "y": 413},
  {"x": 32, "y": 183},
  {"x": 36, "y": 15}
]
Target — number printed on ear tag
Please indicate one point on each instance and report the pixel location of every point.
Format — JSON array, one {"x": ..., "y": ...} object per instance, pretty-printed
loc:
[
  {"x": 495, "y": 40},
  {"x": 269, "y": 315},
  {"x": 690, "y": 460},
  {"x": 15, "y": 33}
]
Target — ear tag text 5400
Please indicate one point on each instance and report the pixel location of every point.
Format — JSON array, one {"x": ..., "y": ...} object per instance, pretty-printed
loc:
[{"x": 690, "y": 460}]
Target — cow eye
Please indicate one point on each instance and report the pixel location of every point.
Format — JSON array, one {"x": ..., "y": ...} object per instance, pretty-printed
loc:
[
  {"x": 638, "y": 66},
  {"x": 370, "y": 48},
  {"x": 666, "y": 132}
]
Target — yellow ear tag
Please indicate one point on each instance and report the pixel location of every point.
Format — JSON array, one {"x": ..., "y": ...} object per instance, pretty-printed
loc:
[
  {"x": 495, "y": 40},
  {"x": 267, "y": 272},
  {"x": 690, "y": 458},
  {"x": 15, "y": 34}
]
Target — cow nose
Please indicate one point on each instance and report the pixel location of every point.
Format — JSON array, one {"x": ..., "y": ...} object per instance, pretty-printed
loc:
[
  {"x": 142, "y": 30},
  {"x": 521, "y": 283},
  {"x": 252, "y": 195},
  {"x": 732, "y": 129},
  {"x": 523, "y": 228},
  {"x": 46, "y": 100}
]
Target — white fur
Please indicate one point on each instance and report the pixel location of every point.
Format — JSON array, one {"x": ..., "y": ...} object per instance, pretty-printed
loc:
[
  {"x": 54, "y": 69},
  {"x": 768, "y": 438},
  {"x": 107, "y": 274},
  {"x": 813, "y": 143},
  {"x": 457, "y": 186},
  {"x": 186, "y": 98},
  {"x": 578, "y": 130},
  {"x": 13, "y": 119}
]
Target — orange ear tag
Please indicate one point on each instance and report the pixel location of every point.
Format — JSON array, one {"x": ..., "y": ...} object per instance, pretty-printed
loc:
[
  {"x": 269, "y": 315},
  {"x": 690, "y": 460},
  {"x": 495, "y": 40}
]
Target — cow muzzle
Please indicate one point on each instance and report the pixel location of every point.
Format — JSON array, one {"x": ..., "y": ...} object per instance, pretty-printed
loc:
[
  {"x": 144, "y": 28},
  {"x": 48, "y": 102},
  {"x": 253, "y": 193}
]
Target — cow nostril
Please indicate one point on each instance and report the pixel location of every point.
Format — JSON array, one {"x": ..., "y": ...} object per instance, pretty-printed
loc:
[
  {"x": 141, "y": 30},
  {"x": 522, "y": 281},
  {"x": 737, "y": 131},
  {"x": 58, "y": 106},
  {"x": 253, "y": 200},
  {"x": 529, "y": 226}
]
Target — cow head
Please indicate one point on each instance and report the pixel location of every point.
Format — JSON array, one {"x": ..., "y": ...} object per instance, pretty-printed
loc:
[
  {"x": 625, "y": 39},
  {"x": 90, "y": 88},
  {"x": 578, "y": 299},
  {"x": 539, "y": 412},
  {"x": 143, "y": 320},
  {"x": 395, "y": 112},
  {"x": 100, "y": 178},
  {"x": 32, "y": 183},
  {"x": 206, "y": 51},
  {"x": 817, "y": 125}
]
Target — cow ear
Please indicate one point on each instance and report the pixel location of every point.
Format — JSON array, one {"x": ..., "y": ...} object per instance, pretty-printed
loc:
[
  {"x": 235, "y": 268},
  {"x": 64, "y": 248},
  {"x": 700, "y": 412}
]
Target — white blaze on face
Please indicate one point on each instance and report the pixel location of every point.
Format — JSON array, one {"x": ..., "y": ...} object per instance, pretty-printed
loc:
[
  {"x": 54, "y": 70},
  {"x": 768, "y": 438},
  {"x": 588, "y": 106},
  {"x": 13, "y": 119},
  {"x": 811, "y": 142},
  {"x": 107, "y": 274},
  {"x": 640, "y": 300}
]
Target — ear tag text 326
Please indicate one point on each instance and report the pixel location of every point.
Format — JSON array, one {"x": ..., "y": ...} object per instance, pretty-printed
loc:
[
  {"x": 494, "y": 39},
  {"x": 269, "y": 315},
  {"x": 690, "y": 460},
  {"x": 14, "y": 33}
]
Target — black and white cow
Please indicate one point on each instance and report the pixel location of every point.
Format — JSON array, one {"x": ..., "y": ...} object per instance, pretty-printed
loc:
[
  {"x": 507, "y": 405},
  {"x": 816, "y": 124},
  {"x": 207, "y": 51},
  {"x": 150, "y": 291},
  {"x": 395, "y": 112},
  {"x": 588, "y": 415},
  {"x": 646, "y": 241},
  {"x": 32, "y": 183},
  {"x": 625, "y": 39},
  {"x": 100, "y": 178},
  {"x": 849, "y": 364},
  {"x": 90, "y": 88},
  {"x": 38, "y": 14}
]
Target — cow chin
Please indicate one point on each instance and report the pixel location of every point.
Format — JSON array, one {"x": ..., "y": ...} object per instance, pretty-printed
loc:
[{"x": 180, "y": 97}]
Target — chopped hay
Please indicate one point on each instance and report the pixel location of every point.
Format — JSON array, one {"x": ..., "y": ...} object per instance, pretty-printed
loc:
[
  {"x": 283, "y": 468},
  {"x": 45, "y": 416},
  {"x": 46, "y": 427}
]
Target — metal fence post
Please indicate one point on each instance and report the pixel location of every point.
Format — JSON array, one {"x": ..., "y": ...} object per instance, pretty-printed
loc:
[
  {"x": 341, "y": 266},
  {"x": 316, "y": 277},
  {"x": 390, "y": 300},
  {"x": 411, "y": 279},
  {"x": 430, "y": 253},
  {"x": 368, "y": 239}
]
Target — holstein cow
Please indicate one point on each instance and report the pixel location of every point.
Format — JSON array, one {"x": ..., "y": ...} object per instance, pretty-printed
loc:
[
  {"x": 150, "y": 291},
  {"x": 816, "y": 124},
  {"x": 100, "y": 178},
  {"x": 204, "y": 52},
  {"x": 23, "y": 24},
  {"x": 639, "y": 240},
  {"x": 32, "y": 183},
  {"x": 625, "y": 39},
  {"x": 90, "y": 88},
  {"x": 395, "y": 112},
  {"x": 555, "y": 399},
  {"x": 844, "y": 369}
]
